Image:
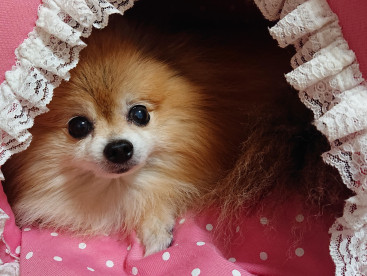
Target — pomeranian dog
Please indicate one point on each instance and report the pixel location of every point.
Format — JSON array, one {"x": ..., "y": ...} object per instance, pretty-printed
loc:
[
  {"x": 149, "y": 126},
  {"x": 128, "y": 143}
]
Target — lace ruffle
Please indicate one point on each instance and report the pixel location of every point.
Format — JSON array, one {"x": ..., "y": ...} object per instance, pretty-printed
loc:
[
  {"x": 326, "y": 74},
  {"x": 44, "y": 59}
]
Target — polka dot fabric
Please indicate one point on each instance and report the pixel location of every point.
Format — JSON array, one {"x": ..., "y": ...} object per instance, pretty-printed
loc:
[{"x": 285, "y": 243}]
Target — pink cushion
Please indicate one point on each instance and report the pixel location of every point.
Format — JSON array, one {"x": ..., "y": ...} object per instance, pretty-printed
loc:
[{"x": 289, "y": 243}]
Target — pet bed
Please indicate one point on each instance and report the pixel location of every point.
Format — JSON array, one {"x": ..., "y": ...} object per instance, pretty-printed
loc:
[{"x": 327, "y": 74}]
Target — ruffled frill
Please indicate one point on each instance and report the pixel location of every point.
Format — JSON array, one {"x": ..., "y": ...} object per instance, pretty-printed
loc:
[
  {"x": 44, "y": 59},
  {"x": 326, "y": 74}
]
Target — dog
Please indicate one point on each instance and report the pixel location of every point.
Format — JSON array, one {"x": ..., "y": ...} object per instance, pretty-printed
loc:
[
  {"x": 129, "y": 143},
  {"x": 151, "y": 125}
]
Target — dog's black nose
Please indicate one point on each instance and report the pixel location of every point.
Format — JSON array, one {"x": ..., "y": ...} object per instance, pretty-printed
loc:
[{"x": 119, "y": 151}]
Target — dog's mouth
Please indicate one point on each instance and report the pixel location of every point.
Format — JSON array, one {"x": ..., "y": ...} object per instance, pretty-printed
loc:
[
  {"x": 117, "y": 170},
  {"x": 120, "y": 170},
  {"x": 105, "y": 169}
]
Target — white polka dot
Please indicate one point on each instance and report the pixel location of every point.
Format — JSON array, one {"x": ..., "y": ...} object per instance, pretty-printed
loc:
[
  {"x": 128, "y": 248},
  {"x": 235, "y": 272},
  {"x": 82, "y": 245},
  {"x": 54, "y": 234},
  {"x": 232, "y": 260},
  {"x": 134, "y": 270},
  {"x": 300, "y": 218},
  {"x": 27, "y": 229},
  {"x": 90, "y": 269},
  {"x": 57, "y": 259},
  {"x": 200, "y": 243},
  {"x": 209, "y": 227},
  {"x": 109, "y": 263},
  {"x": 166, "y": 256},
  {"x": 7, "y": 251},
  {"x": 29, "y": 255},
  {"x": 237, "y": 229},
  {"x": 181, "y": 221},
  {"x": 195, "y": 272},
  {"x": 300, "y": 252},
  {"x": 17, "y": 250},
  {"x": 264, "y": 221},
  {"x": 263, "y": 256}
]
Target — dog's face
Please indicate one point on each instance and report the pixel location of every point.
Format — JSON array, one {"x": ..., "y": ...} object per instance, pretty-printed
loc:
[
  {"x": 111, "y": 129},
  {"x": 114, "y": 141},
  {"x": 119, "y": 112}
]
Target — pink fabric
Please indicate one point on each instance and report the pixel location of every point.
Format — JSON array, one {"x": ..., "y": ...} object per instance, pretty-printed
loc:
[
  {"x": 16, "y": 21},
  {"x": 352, "y": 15},
  {"x": 291, "y": 243},
  {"x": 10, "y": 247}
]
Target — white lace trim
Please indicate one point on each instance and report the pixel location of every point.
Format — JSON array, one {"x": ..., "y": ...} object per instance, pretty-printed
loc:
[
  {"x": 326, "y": 74},
  {"x": 44, "y": 59},
  {"x": 10, "y": 269}
]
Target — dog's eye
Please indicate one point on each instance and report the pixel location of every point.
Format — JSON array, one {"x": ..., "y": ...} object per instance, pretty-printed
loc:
[
  {"x": 139, "y": 115},
  {"x": 79, "y": 127}
]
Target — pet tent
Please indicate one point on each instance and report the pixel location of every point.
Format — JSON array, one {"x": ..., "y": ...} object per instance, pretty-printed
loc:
[{"x": 328, "y": 71}]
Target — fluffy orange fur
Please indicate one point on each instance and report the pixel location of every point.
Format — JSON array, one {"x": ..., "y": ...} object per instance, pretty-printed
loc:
[
  {"x": 63, "y": 182},
  {"x": 203, "y": 103}
]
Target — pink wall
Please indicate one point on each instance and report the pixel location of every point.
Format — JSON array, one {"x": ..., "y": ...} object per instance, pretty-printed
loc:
[
  {"x": 16, "y": 21},
  {"x": 353, "y": 20}
]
